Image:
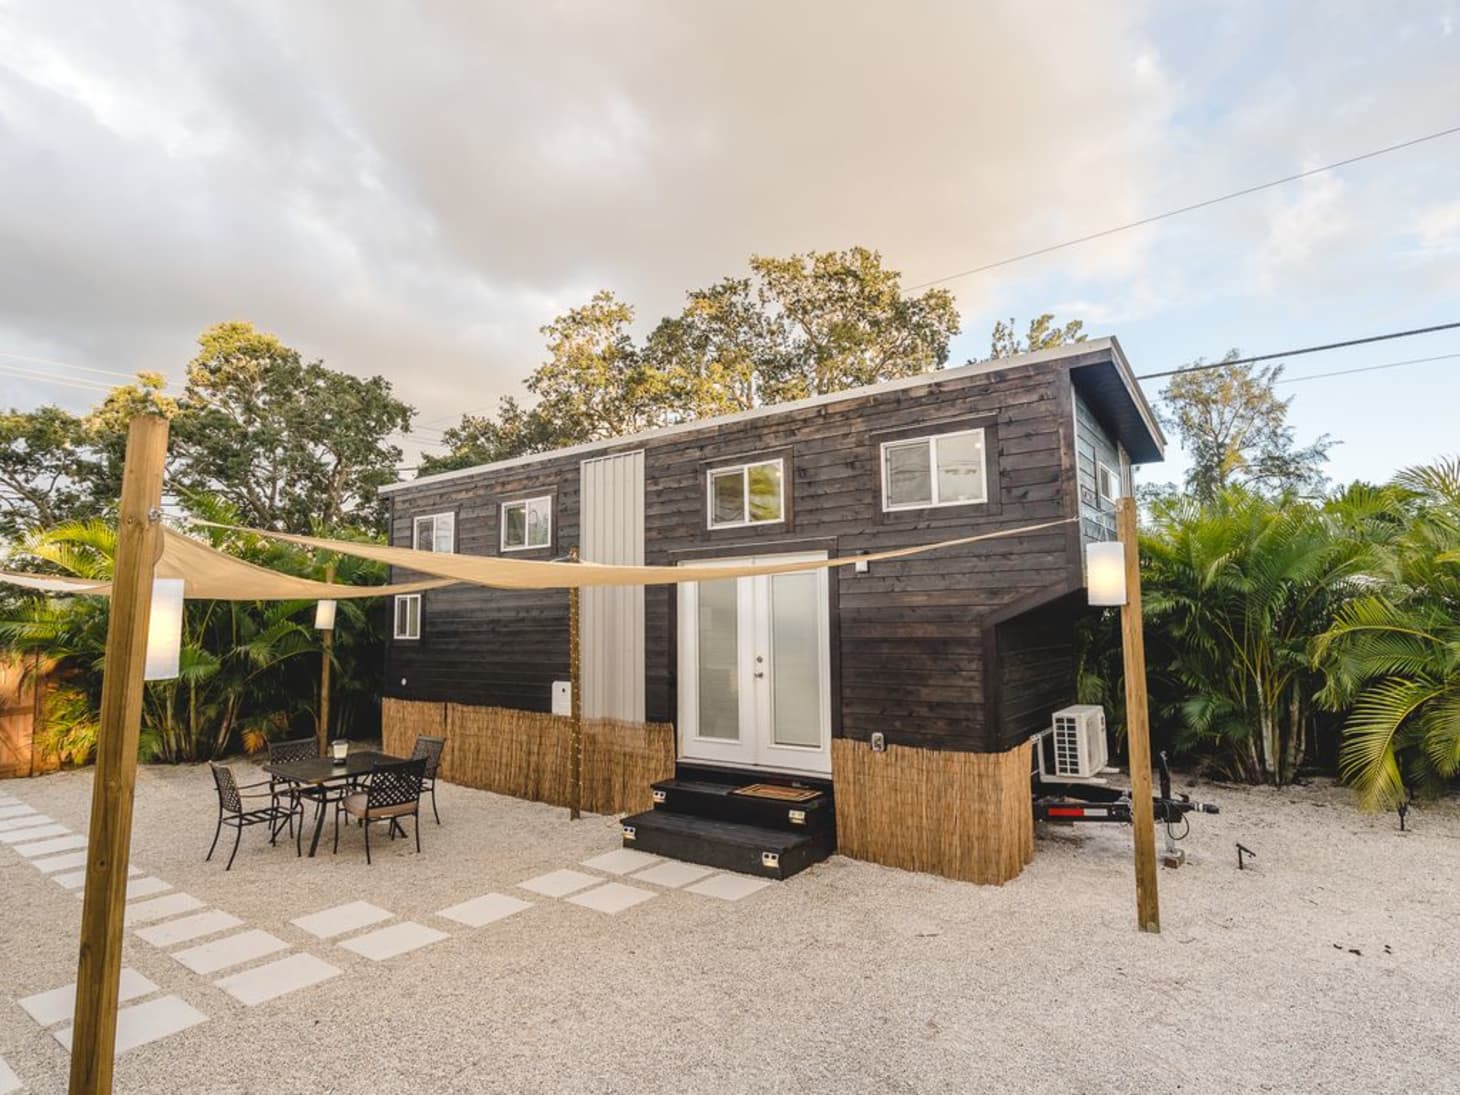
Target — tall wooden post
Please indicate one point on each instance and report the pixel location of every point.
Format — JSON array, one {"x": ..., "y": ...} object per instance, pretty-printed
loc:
[
  {"x": 575, "y": 660},
  {"x": 1137, "y": 721},
  {"x": 327, "y": 646},
  {"x": 98, "y": 966}
]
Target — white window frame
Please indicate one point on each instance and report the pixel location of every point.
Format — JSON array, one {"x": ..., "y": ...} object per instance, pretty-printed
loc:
[
  {"x": 395, "y": 627},
  {"x": 931, "y": 440},
  {"x": 526, "y": 504},
  {"x": 744, "y": 470},
  {"x": 433, "y": 518},
  {"x": 1111, "y": 477}
]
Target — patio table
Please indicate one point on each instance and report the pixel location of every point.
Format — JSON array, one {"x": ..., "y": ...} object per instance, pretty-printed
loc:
[{"x": 321, "y": 773}]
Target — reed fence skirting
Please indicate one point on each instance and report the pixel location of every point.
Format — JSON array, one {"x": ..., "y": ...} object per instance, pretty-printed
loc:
[
  {"x": 526, "y": 753},
  {"x": 961, "y": 815}
]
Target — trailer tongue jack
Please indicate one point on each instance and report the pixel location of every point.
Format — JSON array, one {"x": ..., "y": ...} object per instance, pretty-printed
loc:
[{"x": 1069, "y": 802}]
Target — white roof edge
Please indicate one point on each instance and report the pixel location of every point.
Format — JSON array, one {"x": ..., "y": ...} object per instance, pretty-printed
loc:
[{"x": 974, "y": 368}]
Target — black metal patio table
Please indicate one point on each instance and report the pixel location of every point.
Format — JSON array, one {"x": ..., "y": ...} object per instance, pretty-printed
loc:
[{"x": 322, "y": 774}]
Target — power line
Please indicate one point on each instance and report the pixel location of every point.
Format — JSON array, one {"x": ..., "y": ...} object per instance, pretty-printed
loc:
[
  {"x": 67, "y": 365},
  {"x": 1366, "y": 368},
  {"x": 1300, "y": 351},
  {"x": 50, "y": 378},
  {"x": 1188, "y": 208}
]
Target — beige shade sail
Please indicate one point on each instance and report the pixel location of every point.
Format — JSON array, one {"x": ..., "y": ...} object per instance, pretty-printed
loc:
[
  {"x": 212, "y": 575},
  {"x": 499, "y": 573}
]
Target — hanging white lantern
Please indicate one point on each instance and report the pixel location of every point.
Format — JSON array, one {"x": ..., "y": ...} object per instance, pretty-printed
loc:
[
  {"x": 164, "y": 630},
  {"x": 1105, "y": 572},
  {"x": 324, "y": 616}
]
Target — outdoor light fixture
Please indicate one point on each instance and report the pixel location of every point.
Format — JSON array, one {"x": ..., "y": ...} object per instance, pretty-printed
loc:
[
  {"x": 164, "y": 630},
  {"x": 1105, "y": 572},
  {"x": 324, "y": 616},
  {"x": 340, "y": 748}
]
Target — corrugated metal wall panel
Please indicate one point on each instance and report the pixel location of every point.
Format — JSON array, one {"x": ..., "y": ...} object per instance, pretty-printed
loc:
[{"x": 612, "y": 523}]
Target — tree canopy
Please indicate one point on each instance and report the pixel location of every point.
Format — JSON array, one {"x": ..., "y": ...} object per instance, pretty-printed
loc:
[{"x": 798, "y": 326}]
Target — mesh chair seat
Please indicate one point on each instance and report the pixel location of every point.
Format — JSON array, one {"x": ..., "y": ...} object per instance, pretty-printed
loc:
[{"x": 357, "y": 805}]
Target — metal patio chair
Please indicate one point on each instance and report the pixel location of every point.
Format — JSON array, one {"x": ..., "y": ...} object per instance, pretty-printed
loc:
[
  {"x": 429, "y": 749},
  {"x": 231, "y": 810},
  {"x": 393, "y": 792},
  {"x": 281, "y": 752}
]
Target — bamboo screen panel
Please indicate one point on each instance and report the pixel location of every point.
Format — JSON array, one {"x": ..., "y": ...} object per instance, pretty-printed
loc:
[{"x": 961, "y": 815}]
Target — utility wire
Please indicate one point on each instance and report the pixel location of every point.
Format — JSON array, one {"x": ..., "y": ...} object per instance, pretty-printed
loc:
[
  {"x": 51, "y": 378},
  {"x": 1366, "y": 368},
  {"x": 67, "y": 365},
  {"x": 1188, "y": 208},
  {"x": 1300, "y": 351}
]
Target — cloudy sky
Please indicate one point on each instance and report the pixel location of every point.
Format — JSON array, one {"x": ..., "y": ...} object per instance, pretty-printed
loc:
[{"x": 414, "y": 189}]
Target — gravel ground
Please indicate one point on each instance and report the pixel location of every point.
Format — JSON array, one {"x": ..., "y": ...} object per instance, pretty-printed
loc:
[{"x": 1330, "y": 967}]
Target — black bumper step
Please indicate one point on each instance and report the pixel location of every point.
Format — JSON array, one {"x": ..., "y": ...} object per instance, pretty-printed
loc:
[
  {"x": 728, "y": 845},
  {"x": 719, "y": 801}
]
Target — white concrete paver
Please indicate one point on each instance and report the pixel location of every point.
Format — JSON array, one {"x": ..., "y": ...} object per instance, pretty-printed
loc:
[
  {"x": 559, "y": 883},
  {"x": 174, "y": 904},
  {"x": 186, "y": 928},
  {"x": 49, "y": 847},
  {"x": 50, "y": 1007},
  {"x": 28, "y": 821},
  {"x": 59, "y": 862},
  {"x": 673, "y": 874},
  {"x": 19, "y": 809},
  {"x": 147, "y": 1022},
  {"x": 611, "y": 897},
  {"x": 480, "y": 911},
  {"x": 728, "y": 887},
  {"x": 395, "y": 940},
  {"x": 274, "y": 979},
  {"x": 328, "y": 923},
  {"x": 622, "y": 861},
  {"x": 146, "y": 886},
  {"x": 231, "y": 950},
  {"x": 20, "y": 836},
  {"x": 74, "y": 880},
  {"x": 9, "y": 1081}
]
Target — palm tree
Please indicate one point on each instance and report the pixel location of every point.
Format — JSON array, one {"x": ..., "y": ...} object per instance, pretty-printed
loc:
[
  {"x": 1235, "y": 590},
  {"x": 1392, "y": 656},
  {"x": 233, "y": 661}
]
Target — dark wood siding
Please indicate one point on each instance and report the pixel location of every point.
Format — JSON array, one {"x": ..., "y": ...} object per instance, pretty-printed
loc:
[
  {"x": 910, "y": 637},
  {"x": 1034, "y": 668}
]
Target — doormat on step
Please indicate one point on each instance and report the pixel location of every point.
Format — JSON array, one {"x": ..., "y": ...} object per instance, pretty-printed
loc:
[{"x": 781, "y": 794}]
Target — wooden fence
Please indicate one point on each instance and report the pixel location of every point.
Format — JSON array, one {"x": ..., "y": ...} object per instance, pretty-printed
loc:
[
  {"x": 960, "y": 815},
  {"x": 525, "y": 753},
  {"x": 22, "y": 695}
]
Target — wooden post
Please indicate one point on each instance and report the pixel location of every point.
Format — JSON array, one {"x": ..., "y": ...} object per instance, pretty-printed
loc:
[
  {"x": 327, "y": 643},
  {"x": 98, "y": 966},
  {"x": 575, "y": 660},
  {"x": 1137, "y": 721}
]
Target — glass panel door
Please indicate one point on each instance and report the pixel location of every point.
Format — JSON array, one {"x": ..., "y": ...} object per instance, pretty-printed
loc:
[
  {"x": 795, "y": 660},
  {"x": 718, "y": 638}
]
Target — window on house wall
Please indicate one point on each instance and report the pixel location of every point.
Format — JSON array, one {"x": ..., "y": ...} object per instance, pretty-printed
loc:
[
  {"x": 1107, "y": 483},
  {"x": 527, "y": 524},
  {"x": 746, "y": 494},
  {"x": 435, "y": 532},
  {"x": 946, "y": 469},
  {"x": 408, "y": 616}
]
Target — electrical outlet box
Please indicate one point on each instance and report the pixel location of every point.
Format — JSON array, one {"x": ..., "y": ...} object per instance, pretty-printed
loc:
[
  {"x": 563, "y": 698},
  {"x": 879, "y": 742}
]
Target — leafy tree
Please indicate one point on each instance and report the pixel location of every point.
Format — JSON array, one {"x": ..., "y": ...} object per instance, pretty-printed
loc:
[
  {"x": 1234, "y": 592},
  {"x": 1392, "y": 656},
  {"x": 246, "y": 668},
  {"x": 288, "y": 443},
  {"x": 804, "y": 325},
  {"x": 44, "y": 468},
  {"x": 1043, "y": 334},
  {"x": 1234, "y": 426}
]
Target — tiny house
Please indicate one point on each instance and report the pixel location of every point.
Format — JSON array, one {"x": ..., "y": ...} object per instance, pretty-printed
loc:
[{"x": 896, "y": 697}]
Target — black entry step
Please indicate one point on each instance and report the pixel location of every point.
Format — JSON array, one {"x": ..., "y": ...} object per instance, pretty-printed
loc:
[
  {"x": 721, "y": 802},
  {"x": 731, "y": 846}
]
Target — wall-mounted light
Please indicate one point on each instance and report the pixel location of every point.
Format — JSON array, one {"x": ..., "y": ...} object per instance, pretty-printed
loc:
[
  {"x": 324, "y": 616},
  {"x": 1105, "y": 572},
  {"x": 164, "y": 630}
]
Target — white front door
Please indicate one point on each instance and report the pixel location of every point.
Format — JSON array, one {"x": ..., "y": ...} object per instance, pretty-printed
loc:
[{"x": 755, "y": 669}]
